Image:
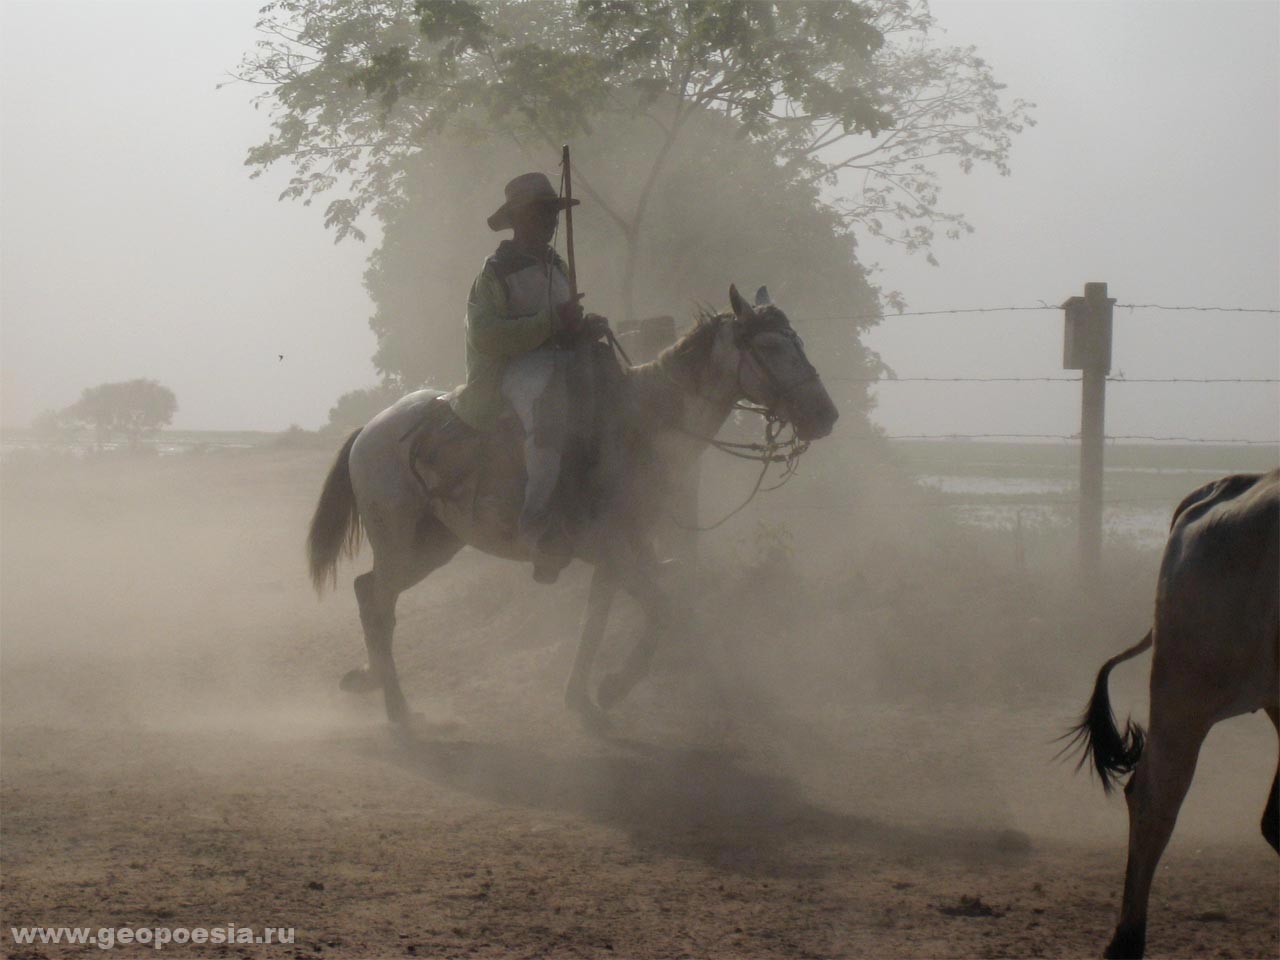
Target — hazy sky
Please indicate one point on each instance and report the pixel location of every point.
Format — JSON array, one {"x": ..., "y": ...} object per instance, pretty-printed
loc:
[{"x": 134, "y": 244}]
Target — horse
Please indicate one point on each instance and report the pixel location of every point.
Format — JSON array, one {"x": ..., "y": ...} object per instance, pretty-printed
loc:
[
  {"x": 1216, "y": 636},
  {"x": 403, "y": 483}
]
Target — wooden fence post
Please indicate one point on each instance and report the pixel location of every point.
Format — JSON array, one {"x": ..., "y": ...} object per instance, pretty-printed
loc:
[{"x": 1087, "y": 347}]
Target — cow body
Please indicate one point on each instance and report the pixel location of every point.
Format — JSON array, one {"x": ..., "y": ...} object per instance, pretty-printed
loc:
[{"x": 1216, "y": 642}]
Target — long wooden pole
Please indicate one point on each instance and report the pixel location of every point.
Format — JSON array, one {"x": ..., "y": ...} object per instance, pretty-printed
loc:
[{"x": 567, "y": 172}]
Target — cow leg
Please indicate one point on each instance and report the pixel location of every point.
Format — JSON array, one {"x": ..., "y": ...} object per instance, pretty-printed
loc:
[
  {"x": 1154, "y": 795},
  {"x": 1271, "y": 815},
  {"x": 604, "y": 586}
]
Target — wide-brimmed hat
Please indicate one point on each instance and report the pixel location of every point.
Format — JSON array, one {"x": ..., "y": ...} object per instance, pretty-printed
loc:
[{"x": 524, "y": 190}]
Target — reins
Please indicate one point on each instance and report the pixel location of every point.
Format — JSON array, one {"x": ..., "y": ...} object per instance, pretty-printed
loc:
[{"x": 773, "y": 450}]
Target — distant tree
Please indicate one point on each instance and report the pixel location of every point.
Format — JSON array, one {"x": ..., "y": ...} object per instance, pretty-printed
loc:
[
  {"x": 51, "y": 423},
  {"x": 358, "y": 407},
  {"x": 133, "y": 409}
]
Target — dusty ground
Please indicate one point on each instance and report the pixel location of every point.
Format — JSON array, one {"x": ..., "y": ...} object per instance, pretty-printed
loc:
[{"x": 176, "y": 754}]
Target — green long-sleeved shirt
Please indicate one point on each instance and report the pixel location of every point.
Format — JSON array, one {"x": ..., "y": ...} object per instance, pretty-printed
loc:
[{"x": 511, "y": 311}]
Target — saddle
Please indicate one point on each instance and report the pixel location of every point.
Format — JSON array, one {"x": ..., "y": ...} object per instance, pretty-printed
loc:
[
  {"x": 470, "y": 476},
  {"x": 476, "y": 479}
]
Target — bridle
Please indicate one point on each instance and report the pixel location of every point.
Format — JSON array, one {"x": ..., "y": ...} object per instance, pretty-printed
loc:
[
  {"x": 774, "y": 449},
  {"x": 745, "y": 342}
]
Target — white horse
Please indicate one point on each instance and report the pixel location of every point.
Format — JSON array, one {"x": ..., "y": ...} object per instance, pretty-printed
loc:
[
  {"x": 421, "y": 488},
  {"x": 1217, "y": 655}
]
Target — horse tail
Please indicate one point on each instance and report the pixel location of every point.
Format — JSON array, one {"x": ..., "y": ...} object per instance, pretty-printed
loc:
[
  {"x": 1113, "y": 754},
  {"x": 335, "y": 527}
]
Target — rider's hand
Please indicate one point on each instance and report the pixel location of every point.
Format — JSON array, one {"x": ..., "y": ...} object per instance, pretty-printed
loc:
[
  {"x": 569, "y": 316},
  {"x": 595, "y": 327}
]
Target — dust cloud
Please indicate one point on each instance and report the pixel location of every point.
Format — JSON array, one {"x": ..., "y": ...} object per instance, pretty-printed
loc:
[
  {"x": 857, "y": 736},
  {"x": 880, "y": 688}
]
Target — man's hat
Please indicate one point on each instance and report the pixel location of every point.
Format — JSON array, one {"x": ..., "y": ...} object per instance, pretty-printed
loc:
[{"x": 526, "y": 189}]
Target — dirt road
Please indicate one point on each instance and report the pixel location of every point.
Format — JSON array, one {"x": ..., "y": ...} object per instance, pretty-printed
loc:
[{"x": 176, "y": 754}]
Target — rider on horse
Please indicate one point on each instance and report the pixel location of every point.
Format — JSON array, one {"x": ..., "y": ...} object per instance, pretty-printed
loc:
[{"x": 523, "y": 323}]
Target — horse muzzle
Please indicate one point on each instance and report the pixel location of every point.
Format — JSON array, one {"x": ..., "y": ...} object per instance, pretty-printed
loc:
[{"x": 812, "y": 412}]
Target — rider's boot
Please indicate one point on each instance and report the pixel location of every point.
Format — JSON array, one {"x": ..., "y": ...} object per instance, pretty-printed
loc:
[{"x": 552, "y": 552}]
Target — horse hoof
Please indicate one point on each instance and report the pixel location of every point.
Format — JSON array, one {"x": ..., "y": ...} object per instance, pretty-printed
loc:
[
  {"x": 612, "y": 690},
  {"x": 1127, "y": 944},
  {"x": 398, "y": 712},
  {"x": 358, "y": 681},
  {"x": 592, "y": 718},
  {"x": 409, "y": 724}
]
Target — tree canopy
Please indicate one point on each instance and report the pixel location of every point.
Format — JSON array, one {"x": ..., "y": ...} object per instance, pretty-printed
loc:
[
  {"x": 722, "y": 215},
  {"x": 355, "y": 408},
  {"x": 714, "y": 140},
  {"x": 132, "y": 409},
  {"x": 831, "y": 87}
]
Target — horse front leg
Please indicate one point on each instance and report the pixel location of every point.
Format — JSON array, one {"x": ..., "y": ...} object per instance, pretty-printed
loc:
[
  {"x": 604, "y": 585},
  {"x": 662, "y": 618}
]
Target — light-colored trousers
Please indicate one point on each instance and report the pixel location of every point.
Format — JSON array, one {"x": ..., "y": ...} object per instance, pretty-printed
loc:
[{"x": 536, "y": 386}]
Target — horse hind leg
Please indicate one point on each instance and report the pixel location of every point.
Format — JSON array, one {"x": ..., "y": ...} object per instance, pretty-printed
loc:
[
  {"x": 377, "y": 599},
  {"x": 377, "y": 593}
]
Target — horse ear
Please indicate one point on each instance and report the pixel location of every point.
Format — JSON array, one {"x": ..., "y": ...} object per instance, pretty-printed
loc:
[
  {"x": 762, "y": 297},
  {"x": 741, "y": 309}
]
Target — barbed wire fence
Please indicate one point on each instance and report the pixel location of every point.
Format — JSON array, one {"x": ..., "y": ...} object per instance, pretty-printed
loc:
[
  {"x": 1022, "y": 501},
  {"x": 1043, "y": 307}
]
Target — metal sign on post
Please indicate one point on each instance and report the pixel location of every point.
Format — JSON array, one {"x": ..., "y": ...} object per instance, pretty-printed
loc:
[{"x": 1087, "y": 347}]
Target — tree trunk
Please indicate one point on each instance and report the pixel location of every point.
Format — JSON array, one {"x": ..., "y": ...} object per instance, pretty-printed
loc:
[{"x": 629, "y": 276}]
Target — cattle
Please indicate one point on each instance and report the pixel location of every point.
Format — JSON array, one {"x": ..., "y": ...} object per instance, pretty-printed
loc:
[{"x": 1216, "y": 646}]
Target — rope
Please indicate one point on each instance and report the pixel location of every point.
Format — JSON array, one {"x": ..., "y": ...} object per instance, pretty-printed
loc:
[{"x": 772, "y": 451}]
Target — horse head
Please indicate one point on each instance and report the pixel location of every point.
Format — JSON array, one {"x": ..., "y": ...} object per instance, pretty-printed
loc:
[{"x": 773, "y": 370}]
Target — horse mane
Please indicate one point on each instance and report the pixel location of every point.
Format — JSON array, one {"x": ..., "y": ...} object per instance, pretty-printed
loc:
[{"x": 685, "y": 359}]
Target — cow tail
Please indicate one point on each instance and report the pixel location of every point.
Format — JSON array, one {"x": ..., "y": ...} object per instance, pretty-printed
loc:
[{"x": 1112, "y": 753}]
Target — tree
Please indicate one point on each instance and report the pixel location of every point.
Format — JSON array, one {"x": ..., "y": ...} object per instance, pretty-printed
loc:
[
  {"x": 724, "y": 214},
  {"x": 133, "y": 408},
  {"x": 51, "y": 424},
  {"x": 831, "y": 88},
  {"x": 789, "y": 125},
  {"x": 357, "y": 407}
]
